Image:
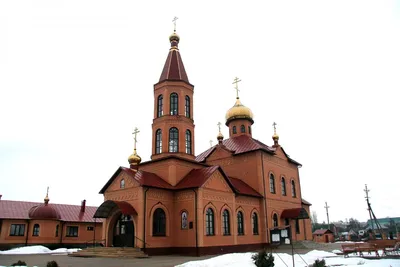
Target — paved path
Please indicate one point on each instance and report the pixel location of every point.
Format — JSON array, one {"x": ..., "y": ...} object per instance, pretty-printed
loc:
[
  {"x": 65, "y": 261},
  {"x": 154, "y": 261}
]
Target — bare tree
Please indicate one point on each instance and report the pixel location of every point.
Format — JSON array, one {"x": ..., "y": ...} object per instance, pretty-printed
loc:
[{"x": 314, "y": 217}]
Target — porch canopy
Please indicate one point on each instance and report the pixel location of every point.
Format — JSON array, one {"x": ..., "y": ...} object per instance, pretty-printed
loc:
[
  {"x": 105, "y": 209},
  {"x": 296, "y": 213}
]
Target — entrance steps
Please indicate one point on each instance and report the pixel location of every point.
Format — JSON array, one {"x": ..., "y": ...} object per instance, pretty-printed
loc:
[{"x": 110, "y": 252}]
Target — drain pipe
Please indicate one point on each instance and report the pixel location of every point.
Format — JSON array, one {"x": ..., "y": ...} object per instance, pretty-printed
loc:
[
  {"x": 195, "y": 219},
  {"x": 27, "y": 232},
  {"x": 144, "y": 219},
  {"x": 265, "y": 196}
]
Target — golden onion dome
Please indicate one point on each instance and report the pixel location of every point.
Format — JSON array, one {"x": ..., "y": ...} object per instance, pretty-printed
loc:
[
  {"x": 220, "y": 136},
  {"x": 275, "y": 137},
  {"x": 134, "y": 159},
  {"x": 174, "y": 37},
  {"x": 238, "y": 111}
]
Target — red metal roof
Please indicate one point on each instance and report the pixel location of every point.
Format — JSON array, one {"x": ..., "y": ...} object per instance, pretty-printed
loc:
[
  {"x": 243, "y": 188},
  {"x": 196, "y": 178},
  {"x": 305, "y": 202},
  {"x": 242, "y": 144},
  {"x": 107, "y": 207},
  {"x": 295, "y": 213},
  {"x": 173, "y": 68},
  {"x": 10, "y": 209},
  {"x": 142, "y": 177},
  {"x": 322, "y": 231}
]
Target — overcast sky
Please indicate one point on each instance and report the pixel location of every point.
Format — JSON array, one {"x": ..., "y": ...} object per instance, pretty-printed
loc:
[{"x": 76, "y": 77}]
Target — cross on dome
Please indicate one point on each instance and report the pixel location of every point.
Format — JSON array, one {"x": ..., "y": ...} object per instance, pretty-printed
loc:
[
  {"x": 236, "y": 81},
  {"x": 174, "y": 21},
  {"x": 135, "y": 132}
]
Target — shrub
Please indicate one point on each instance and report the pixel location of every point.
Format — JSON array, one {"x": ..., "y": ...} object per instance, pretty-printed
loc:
[
  {"x": 263, "y": 259},
  {"x": 319, "y": 263},
  {"x": 19, "y": 263},
  {"x": 52, "y": 264}
]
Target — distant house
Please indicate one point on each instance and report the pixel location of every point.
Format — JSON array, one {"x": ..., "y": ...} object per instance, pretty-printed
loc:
[
  {"x": 323, "y": 236},
  {"x": 53, "y": 225}
]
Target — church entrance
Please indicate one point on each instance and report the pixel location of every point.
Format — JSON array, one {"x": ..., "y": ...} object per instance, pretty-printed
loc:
[{"x": 124, "y": 232}]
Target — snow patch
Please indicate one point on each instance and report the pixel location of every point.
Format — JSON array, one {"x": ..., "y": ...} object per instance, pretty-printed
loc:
[{"x": 37, "y": 250}]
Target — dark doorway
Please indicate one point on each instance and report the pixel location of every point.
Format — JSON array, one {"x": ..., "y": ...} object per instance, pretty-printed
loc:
[{"x": 124, "y": 232}]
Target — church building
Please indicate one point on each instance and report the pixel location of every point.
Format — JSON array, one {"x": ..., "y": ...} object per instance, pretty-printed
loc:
[{"x": 238, "y": 195}]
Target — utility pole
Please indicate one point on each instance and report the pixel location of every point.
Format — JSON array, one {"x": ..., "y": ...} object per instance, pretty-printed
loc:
[
  {"x": 372, "y": 214},
  {"x": 327, "y": 213}
]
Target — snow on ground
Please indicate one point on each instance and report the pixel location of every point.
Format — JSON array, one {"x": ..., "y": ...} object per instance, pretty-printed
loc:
[
  {"x": 38, "y": 250},
  {"x": 285, "y": 260}
]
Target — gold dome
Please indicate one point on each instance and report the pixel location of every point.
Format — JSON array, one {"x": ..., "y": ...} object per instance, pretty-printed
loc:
[
  {"x": 220, "y": 136},
  {"x": 134, "y": 159},
  {"x": 174, "y": 37},
  {"x": 238, "y": 111}
]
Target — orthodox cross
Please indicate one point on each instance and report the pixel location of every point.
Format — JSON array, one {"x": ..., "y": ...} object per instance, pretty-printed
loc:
[
  {"x": 210, "y": 143},
  {"x": 174, "y": 21},
  {"x": 219, "y": 126},
  {"x": 135, "y": 132},
  {"x": 47, "y": 193},
  {"x": 235, "y": 81},
  {"x": 274, "y": 124}
]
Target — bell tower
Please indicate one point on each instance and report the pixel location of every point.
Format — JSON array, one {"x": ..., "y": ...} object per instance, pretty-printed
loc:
[{"x": 173, "y": 124}]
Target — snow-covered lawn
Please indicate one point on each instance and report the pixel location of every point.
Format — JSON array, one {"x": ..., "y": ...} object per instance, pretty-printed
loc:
[
  {"x": 38, "y": 250},
  {"x": 285, "y": 260}
]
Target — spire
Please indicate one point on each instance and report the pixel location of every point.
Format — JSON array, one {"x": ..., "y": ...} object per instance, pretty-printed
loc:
[
  {"x": 46, "y": 199},
  {"x": 275, "y": 137},
  {"x": 220, "y": 137},
  {"x": 134, "y": 159},
  {"x": 173, "y": 68}
]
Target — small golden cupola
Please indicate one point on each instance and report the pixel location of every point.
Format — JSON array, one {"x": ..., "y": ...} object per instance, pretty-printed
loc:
[
  {"x": 239, "y": 118},
  {"x": 275, "y": 137},
  {"x": 134, "y": 159},
  {"x": 220, "y": 136}
]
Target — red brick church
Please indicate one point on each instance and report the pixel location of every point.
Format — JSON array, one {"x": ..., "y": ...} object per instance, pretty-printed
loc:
[{"x": 240, "y": 194}]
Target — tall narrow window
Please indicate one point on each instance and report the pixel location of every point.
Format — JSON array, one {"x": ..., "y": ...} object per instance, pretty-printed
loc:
[
  {"x": 225, "y": 223},
  {"x": 249, "y": 129},
  {"x": 242, "y": 129},
  {"x": 234, "y": 129},
  {"x": 187, "y": 106},
  {"x": 283, "y": 186},
  {"x": 272, "y": 183},
  {"x": 173, "y": 140},
  {"x": 184, "y": 220},
  {"x": 240, "y": 223},
  {"x": 188, "y": 142},
  {"x": 159, "y": 222},
  {"x": 122, "y": 184},
  {"x": 160, "y": 106},
  {"x": 293, "y": 189},
  {"x": 254, "y": 218},
  {"x": 57, "y": 226},
  {"x": 36, "y": 230},
  {"x": 275, "y": 220},
  {"x": 158, "y": 141},
  {"x": 173, "y": 105},
  {"x": 209, "y": 222}
]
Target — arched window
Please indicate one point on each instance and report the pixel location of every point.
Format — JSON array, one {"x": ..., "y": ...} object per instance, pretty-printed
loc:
[
  {"x": 173, "y": 105},
  {"x": 160, "y": 106},
  {"x": 158, "y": 141},
  {"x": 283, "y": 186},
  {"x": 287, "y": 222},
  {"x": 188, "y": 142},
  {"x": 187, "y": 106},
  {"x": 209, "y": 222},
  {"x": 226, "y": 226},
  {"x": 254, "y": 219},
  {"x": 272, "y": 183},
  {"x": 240, "y": 223},
  {"x": 122, "y": 184},
  {"x": 57, "y": 226},
  {"x": 173, "y": 140},
  {"x": 249, "y": 129},
  {"x": 293, "y": 189},
  {"x": 36, "y": 230},
  {"x": 159, "y": 222},
  {"x": 234, "y": 129},
  {"x": 275, "y": 220},
  {"x": 184, "y": 220},
  {"x": 242, "y": 129}
]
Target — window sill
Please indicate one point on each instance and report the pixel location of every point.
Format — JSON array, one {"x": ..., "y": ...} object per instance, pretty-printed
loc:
[
  {"x": 17, "y": 235},
  {"x": 71, "y": 236},
  {"x": 227, "y": 234},
  {"x": 159, "y": 235},
  {"x": 256, "y": 234},
  {"x": 210, "y": 234},
  {"x": 241, "y": 234}
]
